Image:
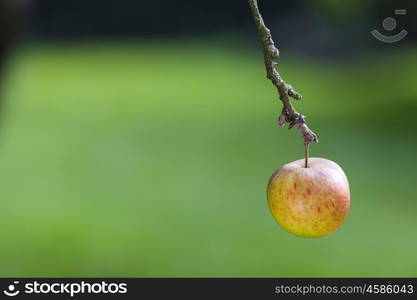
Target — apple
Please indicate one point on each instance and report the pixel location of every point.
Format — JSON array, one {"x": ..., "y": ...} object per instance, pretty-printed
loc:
[{"x": 309, "y": 202}]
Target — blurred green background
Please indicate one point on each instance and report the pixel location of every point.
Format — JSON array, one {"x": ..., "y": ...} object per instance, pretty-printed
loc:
[{"x": 151, "y": 158}]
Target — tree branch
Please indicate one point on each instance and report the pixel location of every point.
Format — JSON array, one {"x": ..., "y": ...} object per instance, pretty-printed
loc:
[{"x": 271, "y": 54}]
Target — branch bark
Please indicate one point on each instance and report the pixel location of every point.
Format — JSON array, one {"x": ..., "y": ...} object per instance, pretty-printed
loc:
[{"x": 271, "y": 54}]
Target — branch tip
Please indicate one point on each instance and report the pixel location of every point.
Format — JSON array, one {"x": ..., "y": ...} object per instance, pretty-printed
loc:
[{"x": 286, "y": 91}]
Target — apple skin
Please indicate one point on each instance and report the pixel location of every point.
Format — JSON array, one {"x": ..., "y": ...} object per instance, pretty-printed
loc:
[{"x": 309, "y": 202}]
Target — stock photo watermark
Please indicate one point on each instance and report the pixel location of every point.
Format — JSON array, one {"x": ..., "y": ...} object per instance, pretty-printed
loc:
[
  {"x": 390, "y": 24},
  {"x": 70, "y": 289}
]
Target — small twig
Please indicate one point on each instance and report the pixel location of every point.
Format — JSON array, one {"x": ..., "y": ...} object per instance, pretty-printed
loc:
[
  {"x": 306, "y": 150},
  {"x": 271, "y": 54}
]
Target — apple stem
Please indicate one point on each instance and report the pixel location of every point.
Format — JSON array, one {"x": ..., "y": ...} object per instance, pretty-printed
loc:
[{"x": 306, "y": 150}]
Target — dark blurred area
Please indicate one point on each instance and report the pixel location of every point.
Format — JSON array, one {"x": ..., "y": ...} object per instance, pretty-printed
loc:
[
  {"x": 12, "y": 20},
  {"x": 311, "y": 27}
]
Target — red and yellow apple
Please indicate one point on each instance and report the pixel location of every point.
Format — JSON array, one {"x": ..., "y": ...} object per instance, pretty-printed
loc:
[{"x": 309, "y": 202}]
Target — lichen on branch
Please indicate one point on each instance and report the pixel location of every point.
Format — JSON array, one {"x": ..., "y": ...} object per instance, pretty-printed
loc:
[{"x": 271, "y": 54}]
